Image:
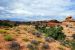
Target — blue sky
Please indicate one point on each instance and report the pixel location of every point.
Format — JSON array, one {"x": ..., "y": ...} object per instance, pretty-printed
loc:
[{"x": 29, "y": 10}]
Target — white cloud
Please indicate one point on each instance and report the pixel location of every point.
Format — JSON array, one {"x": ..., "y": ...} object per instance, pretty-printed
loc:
[
  {"x": 68, "y": 13},
  {"x": 2, "y": 8},
  {"x": 40, "y": 8},
  {"x": 20, "y": 11}
]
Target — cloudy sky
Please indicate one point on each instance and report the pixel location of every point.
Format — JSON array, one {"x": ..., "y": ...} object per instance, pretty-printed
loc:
[{"x": 29, "y": 10}]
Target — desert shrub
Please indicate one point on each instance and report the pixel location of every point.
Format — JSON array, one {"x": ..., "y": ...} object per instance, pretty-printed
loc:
[
  {"x": 35, "y": 42},
  {"x": 69, "y": 43},
  {"x": 40, "y": 40},
  {"x": 60, "y": 48},
  {"x": 72, "y": 45},
  {"x": 3, "y": 31},
  {"x": 33, "y": 33},
  {"x": 54, "y": 32},
  {"x": 17, "y": 30},
  {"x": 8, "y": 37},
  {"x": 65, "y": 43},
  {"x": 58, "y": 36},
  {"x": 29, "y": 28},
  {"x": 49, "y": 39},
  {"x": 45, "y": 46},
  {"x": 30, "y": 46},
  {"x": 73, "y": 36},
  {"x": 14, "y": 46},
  {"x": 37, "y": 34},
  {"x": 25, "y": 39}
]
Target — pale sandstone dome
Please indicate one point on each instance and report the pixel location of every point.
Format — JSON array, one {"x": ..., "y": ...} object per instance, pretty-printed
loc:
[{"x": 69, "y": 19}]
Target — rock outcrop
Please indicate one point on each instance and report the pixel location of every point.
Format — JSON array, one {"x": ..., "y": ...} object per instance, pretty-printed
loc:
[{"x": 69, "y": 19}]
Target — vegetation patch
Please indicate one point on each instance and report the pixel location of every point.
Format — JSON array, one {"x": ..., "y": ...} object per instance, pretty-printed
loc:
[
  {"x": 61, "y": 48},
  {"x": 69, "y": 43},
  {"x": 8, "y": 37},
  {"x": 14, "y": 46},
  {"x": 54, "y": 32},
  {"x": 25, "y": 39},
  {"x": 33, "y": 45},
  {"x": 3, "y": 31},
  {"x": 45, "y": 46},
  {"x": 35, "y": 42},
  {"x": 37, "y": 34}
]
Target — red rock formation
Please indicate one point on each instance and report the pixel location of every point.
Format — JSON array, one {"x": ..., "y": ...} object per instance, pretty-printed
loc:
[{"x": 53, "y": 23}]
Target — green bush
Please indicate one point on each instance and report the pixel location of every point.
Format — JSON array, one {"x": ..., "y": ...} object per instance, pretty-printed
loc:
[
  {"x": 54, "y": 32},
  {"x": 69, "y": 43},
  {"x": 8, "y": 37},
  {"x": 73, "y": 45}
]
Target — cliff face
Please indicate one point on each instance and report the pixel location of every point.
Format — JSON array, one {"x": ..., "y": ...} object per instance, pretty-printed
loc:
[
  {"x": 69, "y": 26},
  {"x": 53, "y": 23}
]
